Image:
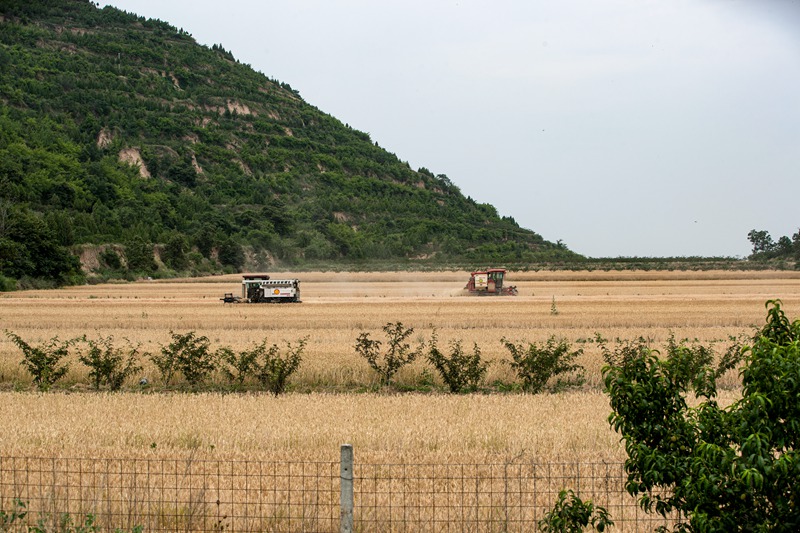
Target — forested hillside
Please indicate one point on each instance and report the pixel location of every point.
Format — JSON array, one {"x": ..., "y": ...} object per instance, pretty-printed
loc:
[{"x": 125, "y": 134}]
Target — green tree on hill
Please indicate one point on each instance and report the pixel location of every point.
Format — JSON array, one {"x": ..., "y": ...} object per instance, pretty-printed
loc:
[
  {"x": 29, "y": 248},
  {"x": 116, "y": 128}
]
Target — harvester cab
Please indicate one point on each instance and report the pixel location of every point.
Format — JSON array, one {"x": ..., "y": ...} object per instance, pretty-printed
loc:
[{"x": 489, "y": 282}]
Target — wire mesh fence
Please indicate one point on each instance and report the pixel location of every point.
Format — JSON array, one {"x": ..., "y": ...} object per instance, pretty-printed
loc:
[
  {"x": 487, "y": 497},
  {"x": 173, "y": 495},
  {"x": 202, "y": 495}
]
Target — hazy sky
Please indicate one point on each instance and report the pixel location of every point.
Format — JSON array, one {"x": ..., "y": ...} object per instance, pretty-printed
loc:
[{"x": 621, "y": 127}]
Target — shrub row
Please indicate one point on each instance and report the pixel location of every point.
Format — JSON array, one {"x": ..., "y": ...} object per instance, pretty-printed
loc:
[
  {"x": 188, "y": 355},
  {"x": 188, "y": 361}
]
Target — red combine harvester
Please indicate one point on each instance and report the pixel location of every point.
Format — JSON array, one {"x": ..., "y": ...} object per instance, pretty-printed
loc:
[{"x": 489, "y": 282}]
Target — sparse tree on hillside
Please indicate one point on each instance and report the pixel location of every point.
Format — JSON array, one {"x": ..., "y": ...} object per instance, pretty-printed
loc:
[
  {"x": 139, "y": 255},
  {"x": 175, "y": 250},
  {"x": 230, "y": 253}
]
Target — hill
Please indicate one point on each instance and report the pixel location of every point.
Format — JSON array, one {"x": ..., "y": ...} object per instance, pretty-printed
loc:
[{"x": 125, "y": 134}]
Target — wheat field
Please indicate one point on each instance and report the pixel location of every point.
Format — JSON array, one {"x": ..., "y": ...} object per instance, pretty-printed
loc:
[{"x": 342, "y": 405}]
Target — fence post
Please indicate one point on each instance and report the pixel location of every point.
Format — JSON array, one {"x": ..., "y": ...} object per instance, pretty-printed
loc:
[{"x": 346, "y": 490}]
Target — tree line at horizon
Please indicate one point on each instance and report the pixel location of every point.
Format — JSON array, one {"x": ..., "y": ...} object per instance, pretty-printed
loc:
[{"x": 764, "y": 247}]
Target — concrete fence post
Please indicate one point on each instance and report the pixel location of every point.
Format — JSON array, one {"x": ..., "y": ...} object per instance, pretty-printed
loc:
[{"x": 346, "y": 490}]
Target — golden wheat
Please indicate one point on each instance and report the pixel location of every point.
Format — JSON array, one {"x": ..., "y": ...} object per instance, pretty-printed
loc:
[
  {"x": 707, "y": 306},
  {"x": 704, "y": 306},
  {"x": 414, "y": 428}
]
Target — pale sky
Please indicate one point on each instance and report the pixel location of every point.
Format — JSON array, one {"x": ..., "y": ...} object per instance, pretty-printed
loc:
[{"x": 621, "y": 127}]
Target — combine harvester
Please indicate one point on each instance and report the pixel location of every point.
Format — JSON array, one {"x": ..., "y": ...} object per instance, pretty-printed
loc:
[
  {"x": 489, "y": 282},
  {"x": 259, "y": 289}
]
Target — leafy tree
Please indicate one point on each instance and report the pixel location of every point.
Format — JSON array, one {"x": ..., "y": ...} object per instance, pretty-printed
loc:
[
  {"x": 174, "y": 252},
  {"x": 796, "y": 245},
  {"x": 205, "y": 240},
  {"x": 280, "y": 215},
  {"x": 230, "y": 253},
  {"x": 460, "y": 371},
  {"x": 712, "y": 468},
  {"x": 761, "y": 240},
  {"x": 537, "y": 364},
  {"x": 765, "y": 248},
  {"x": 398, "y": 353},
  {"x": 43, "y": 362},
  {"x": 139, "y": 255},
  {"x": 28, "y": 247},
  {"x": 349, "y": 242},
  {"x": 783, "y": 247},
  {"x": 182, "y": 172}
]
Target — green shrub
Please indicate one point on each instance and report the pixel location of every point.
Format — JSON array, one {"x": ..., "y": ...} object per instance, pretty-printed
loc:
[
  {"x": 553, "y": 308},
  {"x": 273, "y": 369},
  {"x": 188, "y": 354},
  {"x": 460, "y": 371},
  {"x": 695, "y": 357},
  {"x": 537, "y": 364},
  {"x": 110, "y": 258},
  {"x": 63, "y": 523},
  {"x": 8, "y": 520},
  {"x": 109, "y": 366},
  {"x": 398, "y": 353},
  {"x": 624, "y": 352},
  {"x": 44, "y": 362},
  {"x": 7, "y": 284},
  {"x": 238, "y": 366},
  {"x": 570, "y": 514}
]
